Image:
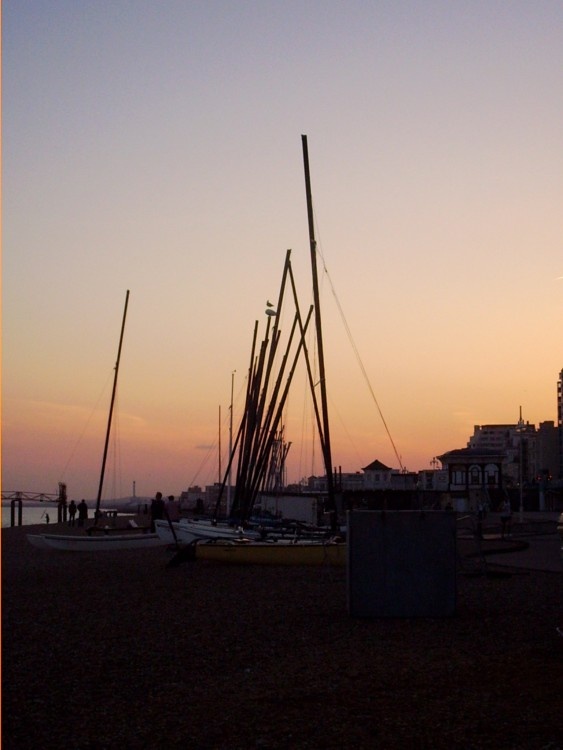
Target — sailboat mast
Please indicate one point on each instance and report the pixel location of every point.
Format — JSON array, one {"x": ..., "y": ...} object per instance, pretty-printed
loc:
[
  {"x": 108, "y": 430},
  {"x": 220, "y": 474},
  {"x": 325, "y": 437},
  {"x": 230, "y": 445}
]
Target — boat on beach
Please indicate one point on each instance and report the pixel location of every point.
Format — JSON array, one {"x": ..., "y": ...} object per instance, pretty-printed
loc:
[
  {"x": 187, "y": 531},
  {"x": 259, "y": 443},
  {"x": 282, "y": 552},
  {"x": 104, "y": 540},
  {"x": 101, "y": 543}
]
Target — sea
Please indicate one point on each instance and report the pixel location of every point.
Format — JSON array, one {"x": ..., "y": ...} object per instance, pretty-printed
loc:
[
  {"x": 36, "y": 513},
  {"x": 31, "y": 514}
]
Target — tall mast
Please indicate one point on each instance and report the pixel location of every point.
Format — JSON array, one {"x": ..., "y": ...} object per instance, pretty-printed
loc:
[
  {"x": 325, "y": 437},
  {"x": 98, "y": 500},
  {"x": 230, "y": 444},
  {"x": 220, "y": 474}
]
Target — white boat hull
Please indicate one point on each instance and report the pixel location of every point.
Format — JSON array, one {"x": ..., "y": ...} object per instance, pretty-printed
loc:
[
  {"x": 187, "y": 531},
  {"x": 37, "y": 541},
  {"x": 102, "y": 543}
]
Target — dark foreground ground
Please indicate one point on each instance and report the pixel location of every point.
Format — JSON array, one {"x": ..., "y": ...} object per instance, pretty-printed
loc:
[{"x": 114, "y": 650}]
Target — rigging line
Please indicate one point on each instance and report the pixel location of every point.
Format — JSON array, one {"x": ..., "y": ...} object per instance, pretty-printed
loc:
[
  {"x": 361, "y": 364},
  {"x": 203, "y": 463},
  {"x": 306, "y": 418},
  {"x": 80, "y": 437},
  {"x": 116, "y": 450},
  {"x": 359, "y": 359},
  {"x": 209, "y": 454},
  {"x": 314, "y": 429},
  {"x": 301, "y": 443},
  {"x": 309, "y": 426},
  {"x": 211, "y": 451},
  {"x": 343, "y": 425}
]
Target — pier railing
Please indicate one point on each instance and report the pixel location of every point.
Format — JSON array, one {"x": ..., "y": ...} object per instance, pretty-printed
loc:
[{"x": 17, "y": 499}]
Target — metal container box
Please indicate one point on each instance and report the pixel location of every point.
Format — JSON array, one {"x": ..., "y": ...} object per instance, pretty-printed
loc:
[{"x": 401, "y": 563}]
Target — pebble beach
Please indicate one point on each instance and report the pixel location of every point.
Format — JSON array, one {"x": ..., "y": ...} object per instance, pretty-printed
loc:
[{"x": 118, "y": 650}]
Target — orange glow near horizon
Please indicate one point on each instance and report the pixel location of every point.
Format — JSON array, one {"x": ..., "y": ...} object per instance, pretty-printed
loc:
[{"x": 175, "y": 170}]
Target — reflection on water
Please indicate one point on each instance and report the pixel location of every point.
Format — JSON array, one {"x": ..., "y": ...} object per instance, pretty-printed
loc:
[{"x": 31, "y": 514}]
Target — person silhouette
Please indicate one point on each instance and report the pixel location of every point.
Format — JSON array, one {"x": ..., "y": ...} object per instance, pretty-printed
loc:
[
  {"x": 157, "y": 509},
  {"x": 82, "y": 512},
  {"x": 71, "y": 513}
]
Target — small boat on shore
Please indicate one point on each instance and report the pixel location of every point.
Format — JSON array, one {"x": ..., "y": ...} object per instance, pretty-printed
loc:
[
  {"x": 187, "y": 531},
  {"x": 249, "y": 552},
  {"x": 101, "y": 543}
]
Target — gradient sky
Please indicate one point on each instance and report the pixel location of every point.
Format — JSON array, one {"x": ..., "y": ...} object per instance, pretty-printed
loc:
[{"x": 156, "y": 147}]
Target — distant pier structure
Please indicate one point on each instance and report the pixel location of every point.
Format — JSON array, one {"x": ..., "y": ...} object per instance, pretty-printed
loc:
[{"x": 18, "y": 497}]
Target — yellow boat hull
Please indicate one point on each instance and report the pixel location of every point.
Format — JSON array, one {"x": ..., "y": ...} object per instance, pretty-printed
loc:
[{"x": 273, "y": 553}]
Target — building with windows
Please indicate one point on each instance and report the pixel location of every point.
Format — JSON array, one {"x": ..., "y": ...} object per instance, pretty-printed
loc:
[
  {"x": 377, "y": 476},
  {"x": 491, "y": 436},
  {"x": 547, "y": 451},
  {"x": 474, "y": 468},
  {"x": 528, "y": 452},
  {"x": 497, "y": 459}
]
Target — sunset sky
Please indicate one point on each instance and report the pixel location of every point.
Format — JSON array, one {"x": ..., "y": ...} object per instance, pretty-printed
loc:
[{"x": 156, "y": 147}]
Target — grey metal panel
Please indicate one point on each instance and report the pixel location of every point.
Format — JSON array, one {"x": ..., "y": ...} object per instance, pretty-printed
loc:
[{"x": 401, "y": 563}]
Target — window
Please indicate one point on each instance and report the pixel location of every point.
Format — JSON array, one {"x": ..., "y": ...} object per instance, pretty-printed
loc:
[
  {"x": 492, "y": 475},
  {"x": 458, "y": 476},
  {"x": 475, "y": 475}
]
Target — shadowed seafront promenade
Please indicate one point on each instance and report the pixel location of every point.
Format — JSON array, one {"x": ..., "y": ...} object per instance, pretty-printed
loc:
[{"x": 114, "y": 650}]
